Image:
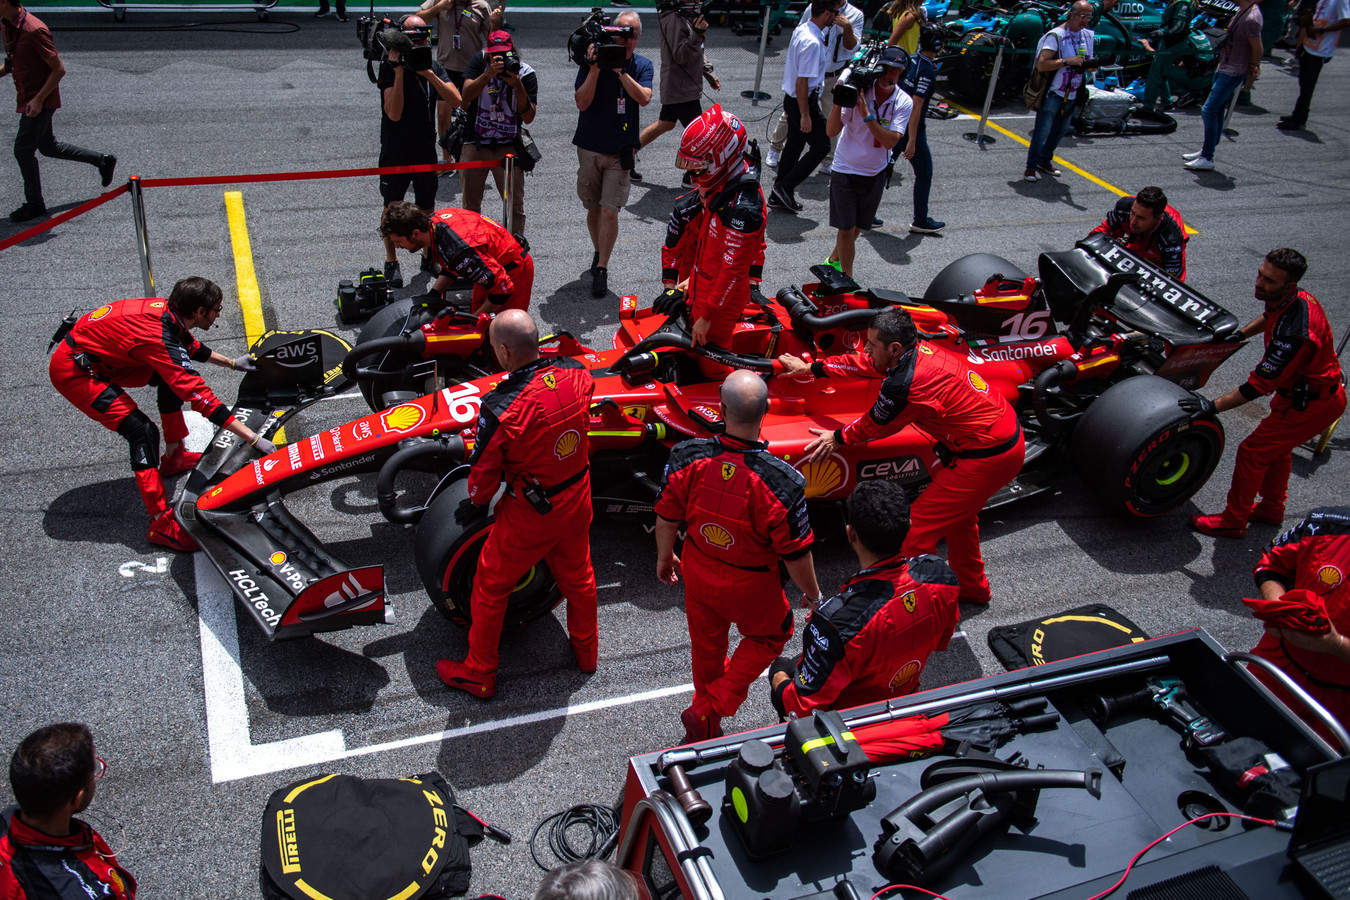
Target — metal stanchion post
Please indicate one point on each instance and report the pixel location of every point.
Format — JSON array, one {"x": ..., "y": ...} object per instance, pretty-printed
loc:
[
  {"x": 979, "y": 137},
  {"x": 508, "y": 193},
  {"x": 1232, "y": 105},
  {"x": 142, "y": 235},
  {"x": 757, "y": 95}
]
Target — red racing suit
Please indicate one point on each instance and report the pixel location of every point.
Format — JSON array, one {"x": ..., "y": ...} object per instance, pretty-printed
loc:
[
  {"x": 718, "y": 245},
  {"x": 37, "y": 866},
  {"x": 132, "y": 343},
  {"x": 465, "y": 244},
  {"x": 533, "y": 425},
  {"x": 1301, "y": 369},
  {"x": 1164, "y": 246},
  {"x": 1313, "y": 556},
  {"x": 743, "y": 509},
  {"x": 871, "y": 640},
  {"x": 977, "y": 436}
]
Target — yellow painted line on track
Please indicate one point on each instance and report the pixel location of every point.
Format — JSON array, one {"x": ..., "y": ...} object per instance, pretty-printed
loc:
[
  {"x": 246, "y": 277},
  {"x": 1059, "y": 159}
]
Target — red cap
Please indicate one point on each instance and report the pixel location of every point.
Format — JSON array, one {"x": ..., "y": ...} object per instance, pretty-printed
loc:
[{"x": 498, "y": 42}]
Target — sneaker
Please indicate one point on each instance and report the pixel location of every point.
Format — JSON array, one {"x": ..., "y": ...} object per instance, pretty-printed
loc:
[
  {"x": 834, "y": 264},
  {"x": 635, "y": 175},
  {"x": 1049, "y": 169},
  {"x": 393, "y": 274},
  {"x": 454, "y": 674},
  {"x": 166, "y": 531},
  {"x": 323, "y": 14},
  {"x": 774, "y": 203},
  {"x": 785, "y": 198},
  {"x": 342, "y": 17},
  {"x": 772, "y": 159},
  {"x": 1200, "y": 164},
  {"x": 105, "y": 168},
  {"x": 824, "y": 169},
  {"x": 595, "y": 262},
  {"x": 700, "y": 724},
  {"x": 1217, "y": 526},
  {"x": 600, "y": 282},
  {"x": 927, "y": 226},
  {"x": 1267, "y": 513},
  {"x": 178, "y": 461},
  {"x": 28, "y": 211},
  {"x": 587, "y": 655},
  {"x": 1289, "y": 125},
  {"x": 1194, "y": 154},
  {"x": 1030, "y": 175},
  {"x": 877, "y": 223}
]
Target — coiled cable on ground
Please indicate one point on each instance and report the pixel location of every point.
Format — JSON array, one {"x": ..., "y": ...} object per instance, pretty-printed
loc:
[{"x": 584, "y": 831}]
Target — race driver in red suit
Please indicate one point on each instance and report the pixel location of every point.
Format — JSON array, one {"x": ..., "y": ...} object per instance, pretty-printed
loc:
[
  {"x": 133, "y": 343},
  {"x": 1305, "y": 604},
  {"x": 977, "y": 435},
  {"x": 871, "y": 640},
  {"x": 1301, "y": 369},
  {"x": 1147, "y": 226},
  {"x": 743, "y": 510},
  {"x": 458, "y": 243},
  {"x": 714, "y": 249},
  {"x": 531, "y": 434}
]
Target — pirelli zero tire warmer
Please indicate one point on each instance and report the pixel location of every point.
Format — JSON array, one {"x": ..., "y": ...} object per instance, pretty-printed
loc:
[
  {"x": 447, "y": 560},
  {"x": 1140, "y": 452},
  {"x": 968, "y": 274}
]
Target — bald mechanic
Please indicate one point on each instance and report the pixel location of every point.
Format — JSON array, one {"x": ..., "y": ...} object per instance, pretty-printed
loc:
[
  {"x": 463, "y": 244},
  {"x": 743, "y": 511},
  {"x": 977, "y": 437},
  {"x": 531, "y": 433},
  {"x": 133, "y": 343}
]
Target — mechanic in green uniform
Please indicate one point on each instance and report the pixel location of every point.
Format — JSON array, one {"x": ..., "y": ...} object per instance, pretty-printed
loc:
[{"x": 1171, "y": 39}]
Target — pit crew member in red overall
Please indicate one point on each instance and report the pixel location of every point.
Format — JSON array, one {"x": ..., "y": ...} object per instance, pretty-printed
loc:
[
  {"x": 463, "y": 244},
  {"x": 714, "y": 249},
  {"x": 1301, "y": 369},
  {"x": 531, "y": 433},
  {"x": 1147, "y": 226},
  {"x": 132, "y": 343},
  {"x": 977, "y": 437},
  {"x": 871, "y": 640},
  {"x": 743, "y": 510},
  {"x": 1305, "y": 604},
  {"x": 45, "y": 852}
]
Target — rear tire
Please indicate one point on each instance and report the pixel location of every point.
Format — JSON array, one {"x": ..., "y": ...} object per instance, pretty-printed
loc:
[
  {"x": 1140, "y": 452},
  {"x": 968, "y": 274},
  {"x": 974, "y": 65},
  {"x": 388, "y": 322},
  {"x": 447, "y": 561}
]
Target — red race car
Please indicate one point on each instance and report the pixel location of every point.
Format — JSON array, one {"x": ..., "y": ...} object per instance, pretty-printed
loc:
[{"x": 1094, "y": 355}]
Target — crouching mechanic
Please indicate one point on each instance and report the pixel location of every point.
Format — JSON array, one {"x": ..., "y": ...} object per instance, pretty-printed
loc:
[
  {"x": 531, "y": 433},
  {"x": 714, "y": 249},
  {"x": 871, "y": 640},
  {"x": 743, "y": 510},
  {"x": 132, "y": 343},
  {"x": 463, "y": 244},
  {"x": 977, "y": 437},
  {"x": 1150, "y": 228}
]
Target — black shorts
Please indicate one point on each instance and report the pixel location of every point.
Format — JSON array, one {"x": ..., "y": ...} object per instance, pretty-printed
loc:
[
  {"x": 855, "y": 199},
  {"x": 424, "y": 184},
  {"x": 684, "y": 113}
]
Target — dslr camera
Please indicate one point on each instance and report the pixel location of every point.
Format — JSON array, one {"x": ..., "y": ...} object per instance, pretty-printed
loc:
[
  {"x": 860, "y": 74},
  {"x": 380, "y": 34},
  {"x": 510, "y": 62},
  {"x": 600, "y": 32}
]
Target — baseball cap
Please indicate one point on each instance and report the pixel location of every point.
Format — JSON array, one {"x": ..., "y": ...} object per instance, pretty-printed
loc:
[
  {"x": 894, "y": 57},
  {"x": 498, "y": 42}
]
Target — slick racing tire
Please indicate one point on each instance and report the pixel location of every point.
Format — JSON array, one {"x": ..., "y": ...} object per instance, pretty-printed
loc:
[
  {"x": 447, "y": 561},
  {"x": 388, "y": 322},
  {"x": 968, "y": 274},
  {"x": 1140, "y": 452},
  {"x": 973, "y": 67}
]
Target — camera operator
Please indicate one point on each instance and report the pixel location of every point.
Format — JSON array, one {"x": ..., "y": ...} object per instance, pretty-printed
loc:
[
  {"x": 867, "y": 133},
  {"x": 606, "y": 139},
  {"x": 500, "y": 93},
  {"x": 683, "y": 70},
  {"x": 1064, "y": 50},
  {"x": 410, "y": 98}
]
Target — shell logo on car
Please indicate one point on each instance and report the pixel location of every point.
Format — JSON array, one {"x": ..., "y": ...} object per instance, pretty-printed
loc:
[
  {"x": 403, "y": 418},
  {"x": 977, "y": 383},
  {"x": 1330, "y": 576},
  {"x": 823, "y": 477},
  {"x": 277, "y": 558},
  {"x": 717, "y": 535},
  {"x": 907, "y": 673},
  {"x": 728, "y": 471},
  {"x": 100, "y": 313},
  {"x": 566, "y": 444}
]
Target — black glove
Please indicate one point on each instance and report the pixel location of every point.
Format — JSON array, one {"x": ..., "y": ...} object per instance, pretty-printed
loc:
[
  {"x": 1197, "y": 405},
  {"x": 244, "y": 363},
  {"x": 670, "y": 303},
  {"x": 469, "y": 512},
  {"x": 757, "y": 296}
]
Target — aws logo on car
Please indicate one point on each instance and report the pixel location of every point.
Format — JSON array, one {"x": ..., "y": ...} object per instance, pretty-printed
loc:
[
  {"x": 566, "y": 444},
  {"x": 1330, "y": 576},
  {"x": 716, "y": 535},
  {"x": 825, "y": 476}
]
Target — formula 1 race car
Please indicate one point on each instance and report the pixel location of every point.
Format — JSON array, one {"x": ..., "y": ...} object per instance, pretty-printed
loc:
[{"x": 1094, "y": 354}]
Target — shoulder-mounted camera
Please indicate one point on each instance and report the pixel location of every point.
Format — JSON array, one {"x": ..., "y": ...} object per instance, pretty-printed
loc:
[
  {"x": 598, "y": 31},
  {"x": 860, "y": 74}
]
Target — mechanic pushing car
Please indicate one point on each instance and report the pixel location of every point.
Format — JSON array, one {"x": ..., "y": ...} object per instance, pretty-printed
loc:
[
  {"x": 531, "y": 433},
  {"x": 977, "y": 436},
  {"x": 1301, "y": 369},
  {"x": 463, "y": 244},
  {"x": 132, "y": 343},
  {"x": 743, "y": 510},
  {"x": 1147, "y": 225},
  {"x": 871, "y": 640},
  {"x": 714, "y": 249}
]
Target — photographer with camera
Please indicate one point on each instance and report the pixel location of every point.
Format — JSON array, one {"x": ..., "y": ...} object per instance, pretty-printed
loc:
[
  {"x": 868, "y": 129},
  {"x": 500, "y": 93},
  {"x": 1065, "y": 51},
  {"x": 684, "y": 67},
  {"x": 412, "y": 88},
  {"x": 613, "y": 83},
  {"x": 462, "y": 30}
]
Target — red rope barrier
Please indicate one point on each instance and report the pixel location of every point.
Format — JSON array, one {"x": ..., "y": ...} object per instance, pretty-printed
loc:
[{"x": 63, "y": 217}]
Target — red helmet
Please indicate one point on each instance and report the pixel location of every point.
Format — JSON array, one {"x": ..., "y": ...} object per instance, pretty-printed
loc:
[{"x": 712, "y": 148}]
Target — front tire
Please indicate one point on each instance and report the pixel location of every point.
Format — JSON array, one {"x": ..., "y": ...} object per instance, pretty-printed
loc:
[
  {"x": 447, "y": 561},
  {"x": 1140, "y": 452}
]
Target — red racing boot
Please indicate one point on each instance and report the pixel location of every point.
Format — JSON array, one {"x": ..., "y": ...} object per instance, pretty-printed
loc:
[
  {"x": 455, "y": 674},
  {"x": 1267, "y": 512},
  {"x": 1219, "y": 526},
  {"x": 701, "y": 722},
  {"x": 165, "y": 530},
  {"x": 179, "y": 461}
]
